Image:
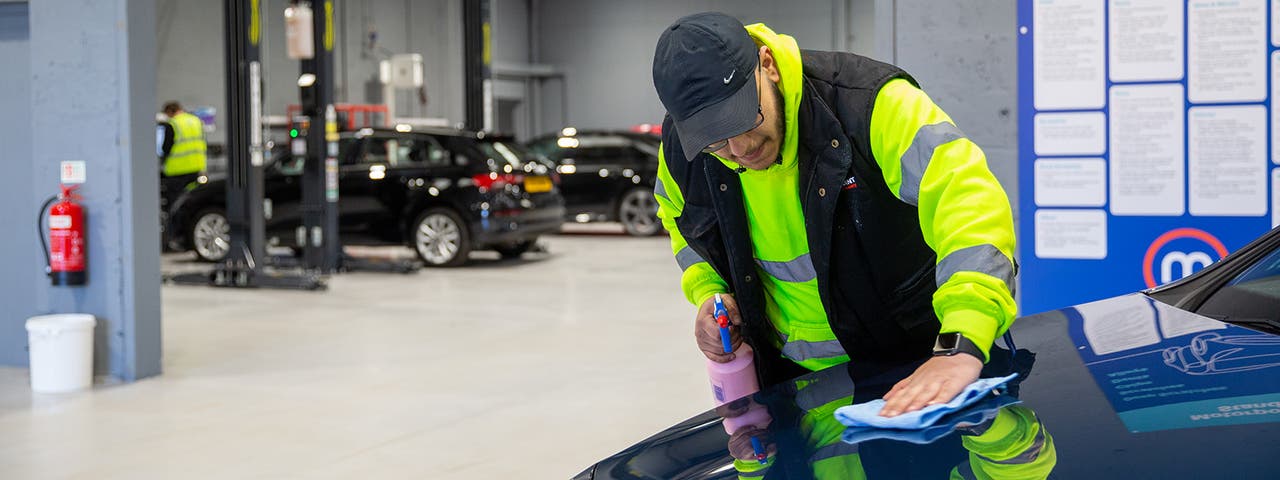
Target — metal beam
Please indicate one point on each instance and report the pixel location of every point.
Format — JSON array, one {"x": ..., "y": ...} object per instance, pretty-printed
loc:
[
  {"x": 477, "y": 86},
  {"x": 322, "y": 249},
  {"x": 243, "y": 34}
]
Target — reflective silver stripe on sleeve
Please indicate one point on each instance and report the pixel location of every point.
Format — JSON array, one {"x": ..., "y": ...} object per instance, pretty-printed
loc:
[
  {"x": 838, "y": 449},
  {"x": 660, "y": 190},
  {"x": 799, "y": 269},
  {"x": 686, "y": 257},
  {"x": 1030, "y": 454},
  {"x": 985, "y": 258},
  {"x": 800, "y": 350},
  {"x": 916, "y": 159},
  {"x": 966, "y": 471},
  {"x": 824, "y": 391},
  {"x": 980, "y": 429}
]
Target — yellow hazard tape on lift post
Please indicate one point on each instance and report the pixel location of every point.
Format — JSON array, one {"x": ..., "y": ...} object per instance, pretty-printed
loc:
[
  {"x": 255, "y": 30},
  {"x": 484, "y": 53},
  {"x": 328, "y": 25}
]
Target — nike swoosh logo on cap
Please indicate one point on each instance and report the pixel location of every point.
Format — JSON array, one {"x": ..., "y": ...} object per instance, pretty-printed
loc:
[{"x": 730, "y": 77}]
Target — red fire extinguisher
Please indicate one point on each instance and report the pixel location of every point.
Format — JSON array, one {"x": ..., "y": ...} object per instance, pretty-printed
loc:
[{"x": 66, "y": 249}]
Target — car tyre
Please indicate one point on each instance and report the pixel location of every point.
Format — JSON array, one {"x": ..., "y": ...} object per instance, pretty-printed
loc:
[
  {"x": 638, "y": 212},
  {"x": 440, "y": 238},
  {"x": 210, "y": 235},
  {"x": 516, "y": 249}
]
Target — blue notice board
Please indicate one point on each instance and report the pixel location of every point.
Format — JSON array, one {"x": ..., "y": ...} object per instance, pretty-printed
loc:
[{"x": 1145, "y": 141}]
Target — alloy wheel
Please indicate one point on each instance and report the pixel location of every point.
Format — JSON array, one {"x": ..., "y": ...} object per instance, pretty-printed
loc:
[
  {"x": 638, "y": 213},
  {"x": 211, "y": 236},
  {"x": 438, "y": 239}
]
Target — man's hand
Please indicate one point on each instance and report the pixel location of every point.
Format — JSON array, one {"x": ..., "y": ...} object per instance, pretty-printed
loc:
[
  {"x": 707, "y": 331},
  {"x": 937, "y": 381},
  {"x": 740, "y": 444}
]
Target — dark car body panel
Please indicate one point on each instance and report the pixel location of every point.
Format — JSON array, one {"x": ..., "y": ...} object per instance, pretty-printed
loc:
[
  {"x": 1127, "y": 387},
  {"x": 605, "y": 165},
  {"x": 380, "y": 198}
]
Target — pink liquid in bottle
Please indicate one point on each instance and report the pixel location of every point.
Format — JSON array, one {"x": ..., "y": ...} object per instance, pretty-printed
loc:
[{"x": 734, "y": 379}]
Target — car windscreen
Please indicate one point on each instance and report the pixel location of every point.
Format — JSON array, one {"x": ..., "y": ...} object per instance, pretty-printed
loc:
[{"x": 1253, "y": 296}]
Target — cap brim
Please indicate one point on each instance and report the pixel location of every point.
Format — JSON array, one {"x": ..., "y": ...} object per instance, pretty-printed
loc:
[{"x": 725, "y": 119}]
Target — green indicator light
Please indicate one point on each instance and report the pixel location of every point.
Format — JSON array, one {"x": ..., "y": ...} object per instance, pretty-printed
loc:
[{"x": 293, "y": 133}]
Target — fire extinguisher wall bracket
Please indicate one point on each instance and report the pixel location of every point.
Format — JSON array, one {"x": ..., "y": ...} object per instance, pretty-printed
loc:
[{"x": 65, "y": 252}]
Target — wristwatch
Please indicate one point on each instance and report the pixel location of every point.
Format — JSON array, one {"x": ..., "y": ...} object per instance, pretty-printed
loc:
[{"x": 949, "y": 344}]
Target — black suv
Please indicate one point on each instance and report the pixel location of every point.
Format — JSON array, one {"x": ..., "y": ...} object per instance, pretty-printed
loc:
[
  {"x": 607, "y": 176},
  {"x": 442, "y": 192}
]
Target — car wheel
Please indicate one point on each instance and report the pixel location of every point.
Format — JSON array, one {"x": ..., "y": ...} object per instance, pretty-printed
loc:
[
  {"x": 514, "y": 250},
  {"x": 211, "y": 235},
  {"x": 440, "y": 238},
  {"x": 638, "y": 212}
]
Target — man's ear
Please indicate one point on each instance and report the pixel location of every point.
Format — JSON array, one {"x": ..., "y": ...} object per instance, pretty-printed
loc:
[{"x": 769, "y": 65}]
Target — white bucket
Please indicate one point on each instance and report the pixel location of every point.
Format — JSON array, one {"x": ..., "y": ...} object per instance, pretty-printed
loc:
[{"x": 61, "y": 352}]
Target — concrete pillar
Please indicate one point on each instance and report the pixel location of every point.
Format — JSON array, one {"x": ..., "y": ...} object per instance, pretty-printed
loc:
[
  {"x": 93, "y": 99},
  {"x": 19, "y": 257}
]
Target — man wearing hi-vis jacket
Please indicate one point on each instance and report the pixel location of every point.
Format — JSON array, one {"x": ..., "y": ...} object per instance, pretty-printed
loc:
[{"x": 839, "y": 209}]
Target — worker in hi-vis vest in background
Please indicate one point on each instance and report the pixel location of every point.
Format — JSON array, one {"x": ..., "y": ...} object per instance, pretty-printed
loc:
[{"x": 183, "y": 152}]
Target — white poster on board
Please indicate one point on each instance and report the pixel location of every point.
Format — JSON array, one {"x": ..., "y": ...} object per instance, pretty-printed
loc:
[
  {"x": 1076, "y": 133},
  {"x": 1275, "y": 112},
  {"x": 1227, "y": 158},
  {"x": 1227, "y": 51},
  {"x": 1068, "y": 51},
  {"x": 1147, "y": 172},
  {"x": 1073, "y": 234},
  {"x": 1071, "y": 182},
  {"x": 1275, "y": 198},
  {"x": 1275, "y": 23},
  {"x": 1146, "y": 40}
]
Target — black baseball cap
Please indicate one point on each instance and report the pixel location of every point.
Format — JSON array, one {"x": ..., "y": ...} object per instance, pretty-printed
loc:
[{"x": 704, "y": 71}]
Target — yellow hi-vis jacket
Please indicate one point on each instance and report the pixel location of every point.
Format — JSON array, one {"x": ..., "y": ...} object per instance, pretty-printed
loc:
[
  {"x": 964, "y": 216},
  {"x": 188, "y": 152}
]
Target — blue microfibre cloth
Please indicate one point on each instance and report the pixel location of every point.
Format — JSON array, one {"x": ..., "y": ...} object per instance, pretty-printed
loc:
[
  {"x": 868, "y": 414},
  {"x": 975, "y": 414}
]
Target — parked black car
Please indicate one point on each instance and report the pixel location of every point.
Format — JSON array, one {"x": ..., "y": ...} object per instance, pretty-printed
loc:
[
  {"x": 1182, "y": 381},
  {"x": 607, "y": 176},
  {"x": 441, "y": 192}
]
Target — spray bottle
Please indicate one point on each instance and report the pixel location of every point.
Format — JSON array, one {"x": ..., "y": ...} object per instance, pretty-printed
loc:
[{"x": 736, "y": 378}]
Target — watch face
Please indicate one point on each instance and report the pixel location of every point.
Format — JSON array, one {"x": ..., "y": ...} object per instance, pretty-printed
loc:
[{"x": 948, "y": 341}]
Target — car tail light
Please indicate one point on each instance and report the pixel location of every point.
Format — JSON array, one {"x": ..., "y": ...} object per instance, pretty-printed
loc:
[{"x": 488, "y": 181}]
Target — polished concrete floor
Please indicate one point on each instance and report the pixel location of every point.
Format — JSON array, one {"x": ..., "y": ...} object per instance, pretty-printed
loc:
[{"x": 530, "y": 368}]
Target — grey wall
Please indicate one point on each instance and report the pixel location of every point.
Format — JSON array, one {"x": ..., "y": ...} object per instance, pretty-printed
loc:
[
  {"x": 510, "y": 45},
  {"x": 606, "y": 47},
  {"x": 89, "y": 96},
  {"x": 963, "y": 53},
  {"x": 190, "y": 54},
  {"x": 965, "y": 56},
  {"x": 19, "y": 257}
]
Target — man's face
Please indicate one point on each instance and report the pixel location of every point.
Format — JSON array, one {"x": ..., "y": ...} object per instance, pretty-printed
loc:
[{"x": 758, "y": 148}]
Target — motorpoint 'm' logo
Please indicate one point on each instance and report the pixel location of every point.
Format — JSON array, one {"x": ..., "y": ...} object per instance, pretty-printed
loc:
[{"x": 1194, "y": 250}]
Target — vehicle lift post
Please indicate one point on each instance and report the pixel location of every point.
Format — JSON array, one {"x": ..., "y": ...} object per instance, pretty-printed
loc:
[
  {"x": 322, "y": 245},
  {"x": 477, "y": 73},
  {"x": 244, "y": 266}
]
